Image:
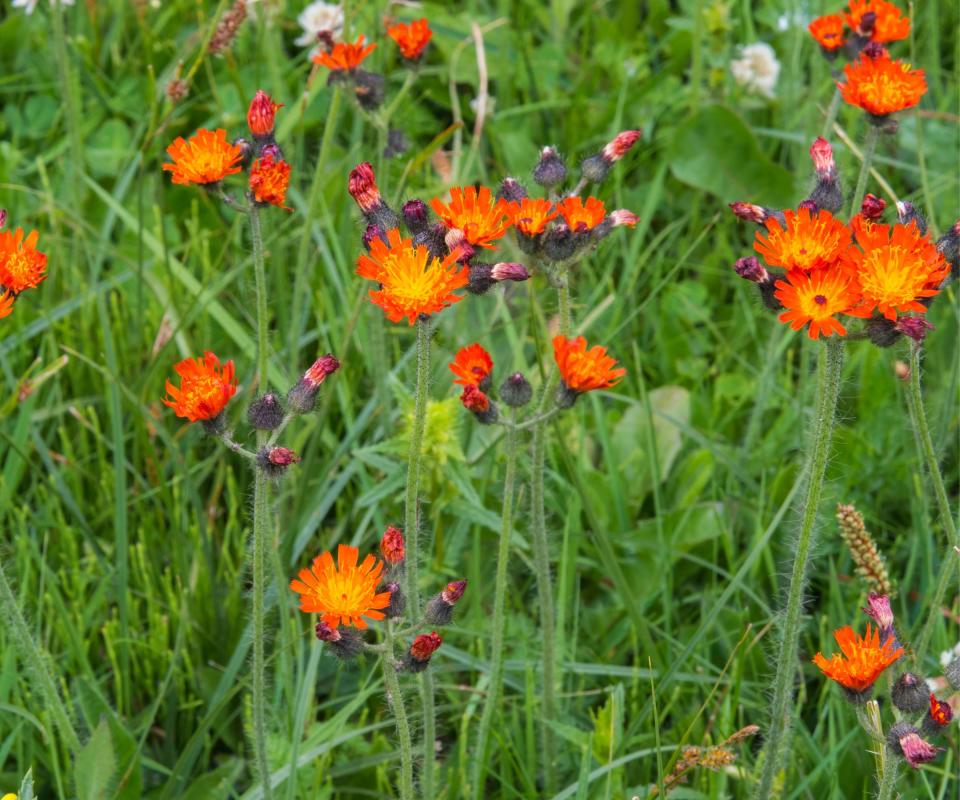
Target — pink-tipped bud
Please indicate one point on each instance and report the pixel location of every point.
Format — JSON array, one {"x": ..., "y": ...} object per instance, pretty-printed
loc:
[
  {"x": 424, "y": 646},
  {"x": 271, "y": 151},
  {"x": 327, "y": 634},
  {"x": 346, "y": 643},
  {"x": 914, "y": 327},
  {"x": 393, "y": 547},
  {"x": 453, "y": 592},
  {"x": 550, "y": 170},
  {"x": 866, "y": 24},
  {"x": 457, "y": 242},
  {"x": 262, "y": 114},
  {"x": 303, "y": 396},
  {"x": 822, "y": 154},
  {"x": 511, "y": 190},
  {"x": 751, "y": 269},
  {"x": 878, "y": 609},
  {"x": 282, "y": 457},
  {"x": 809, "y": 205},
  {"x": 623, "y": 217},
  {"x": 875, "y": 50},
  {"x": 917, "y": 751},
  {"x": 3, "y": 217},
  {"x": 373, "y": 232},
  {"x": 363, "y": 187},
  {"x": 509, "y": 271},
  {"x": 872, "y": 207},
  {"x": 620, "y": 145},
  {"x": 415, "y": 215},
  {"x": 750, "y": 212},
  {"x": 321, "y": 368}
]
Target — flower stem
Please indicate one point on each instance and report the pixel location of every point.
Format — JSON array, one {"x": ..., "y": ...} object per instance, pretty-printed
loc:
[
  {"x": 873, "y": 133},
  {"x": 400, "y": 715},
  {"x": 260, "y": 522},
  {"x": 918, "y": 419},
  {"x": 499, "y": 617},
  {"x": 831, "y": 117},
  {"x": 888, "y": 781},
  {"x": 36, "y": 664},
  {"x": 829, "y": 367}
]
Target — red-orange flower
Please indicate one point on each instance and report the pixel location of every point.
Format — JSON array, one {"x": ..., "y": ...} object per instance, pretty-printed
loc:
[
  {"x": 862, "y": 660},
  {"x": 412, "y": 282},
  {"x": 584, "y": 370},
  {"x": 581, "y": 216},
  {"x": 268, "y": 181},
  {"x": 207, "y": 158},
  {"x": 22, "y": 266},
  {"x": 889, "y": 26},
  {"x": 809, "y": 240},
  {"x": 344, "y": 594},
  {"x": 815, "y": 297},
  {"x": 940, "y": 712},
  {"x": 345, "y": 56},
  {"x": 828, "y": 31},
  {"x": 205, "y": 388},
  {"x": 262, "y": 113},
  {"x": 472, "y": 365},
  {"x": 474, "y": 212},
  {"x": 412, "y": 39},
  {"x": 6, "y": 304},
  {"x": 881, "y": 86},
  {"x": 893, "y": 267},
  {"x": 531, "y": 215}
]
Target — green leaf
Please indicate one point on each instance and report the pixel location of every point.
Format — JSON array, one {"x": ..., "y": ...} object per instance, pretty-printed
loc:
[
  {"x": 26, "y": 787},
  {"x": 96, "y": 764},
  {"x": 715, "y": 151}
]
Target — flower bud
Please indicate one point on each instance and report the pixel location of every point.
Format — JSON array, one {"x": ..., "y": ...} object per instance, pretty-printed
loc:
[
  {"x": 559, "y": 243},
  {"x": 346, "y": 643},
  {"x": 509, "y": 271},
  {"x": 938, "y": 717},
  {"x": 397, "y": 143},
  {"x": 511, "y": 190},
  {"x": 909, "y": 693},
  {"x": 261, "y": 115},
  {"x": 393, "y": 548},
  {"x": 878, "y": 609},
  {"x": 415, "y": 215},
  {"x": 623, "y": 217},
  {"x": 751, "y": 212},
  {"x": 302, "y": 398},
  {"x": 434, "y": 239},
  {"x": 907, "y": 212},
  {"x": 904, "y": 740},
  {"x": 483, "y": 408},
  {"x": 275, "y": 460},
  {"x": 822, "y": 155},
  {"x": 866, "y": 25},
  {"x": 421, "y": 650},
  {"x": 456, "y": 242},
  {"x": 952, "y": 673},
  {"x": 265, "y": 413},
  {"x": 550, "y": 170},
  {"x": 369, "y": 88},
  {"x": 914, "y": 327},
  {"x": 247, "y": 151},
  {"x": 373, "y": 232},
  {"x": 882, "y": 331},
  {"x": 751, "y": 269},
  {"x": 874, "y": 49},
  {"x": 440, "y": 608},
  {"x": 595, "y": 168},
  {"x": 872, "y": 207},
  {"x": 566, "y": 396},
  {"x": 398, "y": 602},
  {"x": 516, "y": 391},
  {"x": 620, "y": 145},
  {"x": 362, "y": 186},
  {"x": 215, "y": 426},
  {"x": 3, "y": 217}
]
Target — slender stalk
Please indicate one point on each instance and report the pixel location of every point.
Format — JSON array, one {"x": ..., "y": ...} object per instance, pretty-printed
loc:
[
  {"x": 888, "y": 781},
  {"x": 427, "y": 692},
  {"x": 260, "y": 522},
  {"x": 400, "y": 715},
  {"x": 918, "y": 419},
  {"x": 832, "y": 110},
  {"x": 830, "y": 364},
  {"x": 499, "y": 616},
  {"x": 869, "y": 147},
  {"x": 36, "y": 664}
]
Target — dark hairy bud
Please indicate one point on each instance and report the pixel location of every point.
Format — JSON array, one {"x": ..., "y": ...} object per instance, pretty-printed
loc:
[
  {"x": 265, "y": 413},
  {"x": 516, "y": 391}
]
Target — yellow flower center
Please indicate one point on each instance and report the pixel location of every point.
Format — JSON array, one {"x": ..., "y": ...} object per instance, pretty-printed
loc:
[{"x": 890, "y": 276}]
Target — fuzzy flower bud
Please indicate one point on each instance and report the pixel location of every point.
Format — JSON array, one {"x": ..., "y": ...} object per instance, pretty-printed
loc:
[
  {"x": 511, "y": 190},
  {"x": 620, "y": 145},
  {"x": 822, "y": 155},
  {"x": 369, "y": 88},
  {"x": 398, "y": 602},
  {"x": 559, "y": 243},
  {"x": 303, "y": 396},
  {"x": 392, "y": 546},
  {"x": 914, "y": 327},
  {"x": 346, "y": 643},
  {"x": 550, "y": 170},
  {"x": 261, "y": 115},
  {"x": 3, "y": 217},
  {"x": 866, "y": 24},
  {"x": 484, "y": 276},
  {"x": 751, "y": 269},
  {"x": 875, "y": 49},
  {"x": 938, "y": 716},
  {"x": 909, "y": 693},
  {"x": 421, "y": 650},
  {"x": 275, "y": 460},
  {"x": 952, "y": 673},
  {"x": 440, "y": 608},
  {"x": 882, "y": 332},
  {"x": 751, "y": 212},
  {"x": 516, "y": 391},
  {"x": 474, "y": 399},
  {"x": 904, "y": 740},
  {"x": 872, "y": 207},
  {"x": 265, "y": 413},
  {"x": 415, "y": 215},
  {"x": 509, "y": 271},
  {"x": 373, "y": 232},
  {"x": 623, "y": 217},
  {"x": 878, "y": 609},
  {"x": 907, "y": 212},
  {"x": 362, "y": 186}
]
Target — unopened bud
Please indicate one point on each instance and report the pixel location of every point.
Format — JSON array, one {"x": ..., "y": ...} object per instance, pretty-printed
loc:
[
  {"x": 875, "y": 50},
  {"x": 509, "y": 271},
  {"x": 904, "y": 740},
  {"x": 516, "y": 391},
  {"x": 595, "y": 168},
  {"x": 751, "y": 269},
  {"x": 371, "y": 233},
  {"x": 262, "y": 114},
  {"x": 559, "y": 243},
  {"x": 421, "y": 650},
  {"x": 456, "y": 242},
  {"x": 398, "y": 602},
  {"x": 369, "y": 88},
  {"x": 872, "y": 207},
  {"x": 879, "y": 610},
  {"x": 346, "y": 643},
  {"x": 550, "y": 170},
  {"x": 622, "y": 143},
  {"x": 882, "y": 331},
  {"x": 483, "y": 276},
  {"x": 3, "y": 217},
  {"x": 439, "y": 610},
  {"x": 474, "y": 399},
  {"x": 914, "y": 327},
  {"x": 216, "y": 426},
  {"x": 247, "y": 150},
  {"x": 750, "y": 212},
  {"x": 623, "y": 217},
  {"x": 265, "y": 413},
  {"x": 275, "y": 460},
  {"x": 822, "y": 155},
  {"x": 415, "y": 215},
  {"x": 302, "y": 398},
  {"x": 511, "y": 190},
  {"x": 907, "y": 212},
  {"x": 866, "y": 24},
  {"x": 809, "y": 204},
  {"x": 909, "y": 693},
  {"x": 392, "y": 545},
  {"x": 433, "y": 238},
  {"x": 566, "y": 396},
  {"x": 363, "y": 187}
]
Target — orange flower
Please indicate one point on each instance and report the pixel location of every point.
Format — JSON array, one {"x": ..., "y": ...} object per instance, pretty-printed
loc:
[
  {"x": 412, "y": 38},
  {"x": 268, "y": 181},
  {"x": 205, "y": 388},
  {"x": 474, "y": 213},
  {"x": 207, "y": 158},
  {"x": 828, "y": 31},
  {"x": 344, "y": 594},
  {"x": 412, "y": 282},
  {"x": 809, "y": 241},
  {"x": 22, "y": 266},
  {"x": 261, "y": 114},
  {"x": 345, "y": 57},
  {"x": 6, "y": 304},
  {"x": 894, "y": 269},
  {"x": 582, "y": 216},
  {"x": 472, "y": 365},
  {"x": 531, "y": 215},
  {"x": 815, "y": 297},
  {"x": 890, "y": 25},
  {"x": 583, "y": 370},
  {"x": 881, "y": 86},
  {"x": 862, "y": 661}
]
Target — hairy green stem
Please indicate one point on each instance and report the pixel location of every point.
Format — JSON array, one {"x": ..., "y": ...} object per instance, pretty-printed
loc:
[
  {"x": 830, "y": 364},
  {"x": 832, "y": 110},
  {"x": 918, "y": 419},
  {"x": 36, "y": 664},
  {"x": 260, "y": 521},
  {"x": 888, "y": 780},
  {"x": 869, "y": 147},
  {"x": 400, "y": 716},
  {"x": 499, "y": 616},
  {"x": 427, "y": 691}
]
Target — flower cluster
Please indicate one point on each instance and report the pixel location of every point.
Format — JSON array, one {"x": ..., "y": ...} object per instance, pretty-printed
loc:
[
  {"x": 865, "y": 21},
  {"x": 861, "y": 269},
  {"x": 22, "y": 266}
]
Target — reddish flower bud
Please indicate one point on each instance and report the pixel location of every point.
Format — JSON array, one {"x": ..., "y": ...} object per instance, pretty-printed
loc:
[
  {"x": 327, "y": 634},
  {"x": 3, "y": 217},
  {"x": 751, "y": 269},
  {"x": 303, "y": 396},
  {"x": 282, "y": 456},
  {"x": 321, "y": 368},
  {"x": 457, "y": 242},
  {"x": 424, "y": 646},
  {"x": 509, "y": 271},
  {"x": 392, "y": 545},
  {"x": 454, "y": 591},
  {"x": 940, "y": 712},
  {"x": 261, "y": 114},
  {"x": 872, "y": 207},
  {"x": 265, "y": 413},
  {"x": 623, "y": 217},
  {"x": 822, "y": 154},
  {"x": 622, "y": 143},
  {"x": 916, "y": 751},
  {"x": 914, "y": 327},
  {"x": 750, "y": 212},
  {"x": 866, "y": 24},
  {"x": 439, "y": 610},
  {"x": 474, "y": 400},
  {"x": 875, "y": 50},
  {"x": 415, "y": 215},
  {"x": 345, "y": 643},
  {"x": 363, "y": 187},
  {"x": 810, "y": 205},
  {"x": 878, "y": 609},
  {"x": 511, "y": 190}
]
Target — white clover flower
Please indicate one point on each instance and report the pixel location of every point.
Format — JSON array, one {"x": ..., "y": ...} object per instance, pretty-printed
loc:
[
  {"x": 318, "y": 17},
  {"x": 30, "y": 5},
  {"x": 757, "y": 69},
  {"x": 948, "y": 656}
]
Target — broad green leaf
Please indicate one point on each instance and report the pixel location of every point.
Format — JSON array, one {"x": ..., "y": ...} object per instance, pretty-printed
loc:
[{"x": 96, "y": 764}]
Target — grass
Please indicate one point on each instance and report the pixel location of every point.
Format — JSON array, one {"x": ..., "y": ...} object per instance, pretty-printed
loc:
[{"x": 670, "y": 500}]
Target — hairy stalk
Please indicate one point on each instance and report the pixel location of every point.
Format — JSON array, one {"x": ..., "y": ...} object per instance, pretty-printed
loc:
[
  {"x": 541, "y": 551},
  {"x": 499, "y": 616},
  {"x": 832, "y": 110},
  {"x": 829, "y": 367},
  {"x": 869, "y": 147},
  {"x": 918, "y": 419},
  {"x": 70, "y": 98},
  {"x": 888, "y": 781},
  {"x": 36, "y": 664},
  {"x": 400, "y": 715},
  {"x": 260, "y": 521}
]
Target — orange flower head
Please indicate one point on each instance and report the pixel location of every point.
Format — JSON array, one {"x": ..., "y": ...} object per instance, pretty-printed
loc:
[
  {"x": 828, "y": 31},
  {"x": 475, "y": 214},
  {"x": 862, "y": 660},
  {"x": 412, "y": 39},
  {"x": 6, "y": 303},
  {"x": 889, "y": 24},
  {"x": 345, "y": 57},
  {"x": 205, "y": 388},
  {"x": 531, "y": 215},
  {"x": 344, "y": 594},
  {"x": 581, "y": 216},
  {"x": 268, "y": 181},
  {"x": 584, "y": 370},
  {"x": 881, "y": 86},
  {"x": 815, "y": 297},
  {"x": 22, "y": 266},
  {"x": 393, "y": 548},
  {"x": 207, "y": 158},
  {"x": 262, "y": 113},
  {"x": 809, "y": 240},
  {"x": 472, "y": 366},
  {"x": 894, "y": 267},
  {"x": 940, "y": 712},
  {"x": 412, "y": 282}
]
